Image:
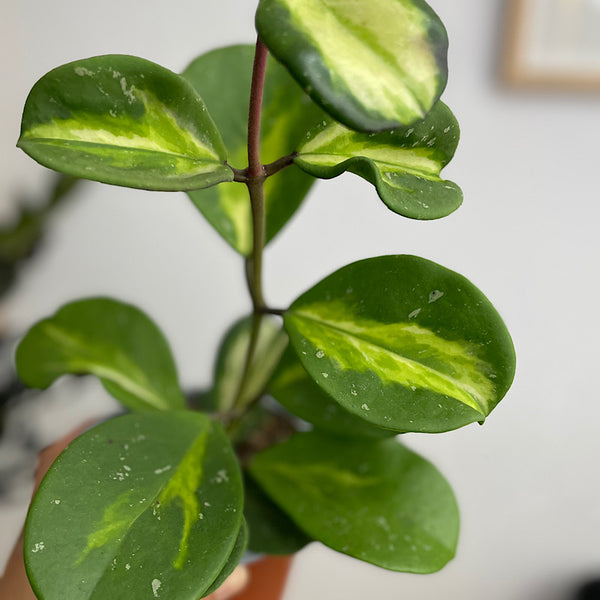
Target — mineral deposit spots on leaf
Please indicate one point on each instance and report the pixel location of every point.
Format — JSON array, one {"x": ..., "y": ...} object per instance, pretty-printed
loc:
[
  {"x": 156, "y": 585},
  {"x": 435, "y": 295}
]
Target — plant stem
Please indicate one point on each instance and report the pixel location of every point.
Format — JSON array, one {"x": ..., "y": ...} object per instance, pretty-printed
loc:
[
  {"x": 255, "y": 179},
  {"x": 256, "y": 173}
]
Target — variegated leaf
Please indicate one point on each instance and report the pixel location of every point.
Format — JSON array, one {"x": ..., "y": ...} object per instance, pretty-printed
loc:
[
  {"x": 231, "y": 360},
  {"x": 404, "y": 343},
  {"x": 376, "y": 501},
  {"x": 372, "y": 65},
  {"x": 271, "y": 530},
  {"x": 142, "y": 506},
  {"x": 404, "y": 164},
  {"x": 293, "y": 387},
  {"x": 126, "y": 121},
  {"x": 234, "y": 559},
  {"x": 222, "y": 77},
  {"x": 114, "y": 341}
]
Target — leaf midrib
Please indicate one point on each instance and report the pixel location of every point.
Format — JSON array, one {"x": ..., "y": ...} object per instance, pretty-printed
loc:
[
  {"x": 58, "y": 141},
  {"x": 128, "y": 384},
  {"x": 383, "y": 54},
  {"x": 477, "y": 401},
  {"x": 378, "y": 164}
]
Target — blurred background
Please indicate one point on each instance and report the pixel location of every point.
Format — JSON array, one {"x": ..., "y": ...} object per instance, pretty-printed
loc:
[{"x": 525, "y": 87}]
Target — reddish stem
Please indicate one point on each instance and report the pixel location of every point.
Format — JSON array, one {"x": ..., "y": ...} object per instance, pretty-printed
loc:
[{"x": 255, "y": 168}]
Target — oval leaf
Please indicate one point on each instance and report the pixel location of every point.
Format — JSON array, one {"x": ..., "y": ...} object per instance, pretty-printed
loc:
[
  {"x": 271, "y": 530},
  {"x": 404, "y": 164},
  {"x": 404, "y": 343},
  {"x": 223, "y": 79},
  {"x": 126, "y": 121},
  {"x": 232, "y": 562},
  {"x": 376, "y": 501},
  {"x": 372, "y": 65},
  {"x": 114, "y": 341},
  {"x": 292, "y": 387},
  {"x": 231, "y": 362},
  {"x": 143, "y": 506}
]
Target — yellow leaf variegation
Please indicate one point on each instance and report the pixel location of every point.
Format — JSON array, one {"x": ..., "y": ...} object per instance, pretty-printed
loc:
[
  {"x": 132, "y": 506},
  {"x": 403, "y": 343},
  {"x": 403, "y": 164},
  {"x": 126, "y": 121},
  {"x": 223, "y": 79},
  {"x": 372, "y": 65}
]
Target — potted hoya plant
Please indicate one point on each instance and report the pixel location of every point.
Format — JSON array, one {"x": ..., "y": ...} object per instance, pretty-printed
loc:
[{"x": 298, "y": 438}]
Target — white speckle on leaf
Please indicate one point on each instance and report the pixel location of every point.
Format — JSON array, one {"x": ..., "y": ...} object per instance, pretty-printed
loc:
[
  {"x": 201, "y": 515},
  {"x": 127, "y": 91},
  {"x": 447, "y": 129},
  {"x": 435, "y": 295},
  {"x": 207, "y": 504},
  {"x": 162, "y": 470},
  {"x": 320, "y": 354},
  {"x": 127, "y": 468},
  {"x": 38, "y": 547},
  {"x": 57, "y": 501},
  {"x": 82, "y": 72},
  {"x": 221, "y": 476},
  {"x": 128, "y": 566},
  {"x": 326, "y": 375},
  {"x": 365, "y": 407},
  {"x": 156, "y": 583},
  {"x": 414, "y": 313}
]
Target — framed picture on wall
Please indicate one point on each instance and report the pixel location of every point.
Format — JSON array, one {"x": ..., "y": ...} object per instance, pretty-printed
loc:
[{"x": 553, "y": 44}]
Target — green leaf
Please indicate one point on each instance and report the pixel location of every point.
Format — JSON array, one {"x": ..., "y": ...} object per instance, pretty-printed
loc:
[
  {"x": 404, "y": 164},
  {"x": 404, "y": 343},
  {"x": 126, "y": 121},
  {"x": 372, "y": 65},
  {"x": 114, "y": 341},
  {"x": 231, "y": 361},
  {"x": 232, "y": 562},
  {"x": 293, "y": 388},
  {"x": 271, "y": 530},
  {"x": 376, "y": 501},
  {"x": 142, "y": 506},
  {"x": 223, "y": 79}
]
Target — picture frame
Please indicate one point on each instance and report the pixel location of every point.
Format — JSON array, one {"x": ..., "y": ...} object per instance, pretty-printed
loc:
[{"x": 552, "y": 44}]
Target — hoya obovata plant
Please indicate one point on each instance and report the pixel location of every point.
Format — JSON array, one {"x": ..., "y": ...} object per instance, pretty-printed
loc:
[{"x": 163, "y": 501}]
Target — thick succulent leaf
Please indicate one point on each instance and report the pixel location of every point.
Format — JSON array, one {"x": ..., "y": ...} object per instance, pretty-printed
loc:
[
  {"x": 372, "y": 65},
  {"x": 376, "y": 501},
  {"x": 293, "y": 387},
  {"x": 222, "y": 77},
  {"x": 142, "y": 506},
  {"x": 404, "y": 164},
  {"x": 404, "y": 343},
  {"x": 232, "y": 562},
  {"x": 231, "y": 362},
  {"x": 114, "y": 341},
  {"x": 271, "y": 530},
  {"x": 126, "y": 121}
]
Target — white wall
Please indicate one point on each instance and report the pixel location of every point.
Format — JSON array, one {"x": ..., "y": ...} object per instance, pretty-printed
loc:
[{"x": 527, "y": 482}]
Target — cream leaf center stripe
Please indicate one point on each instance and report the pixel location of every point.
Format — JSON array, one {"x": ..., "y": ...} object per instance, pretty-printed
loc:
[
  {"x": 382, "y": 83},
  {"x": 378, "y": 347}
]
